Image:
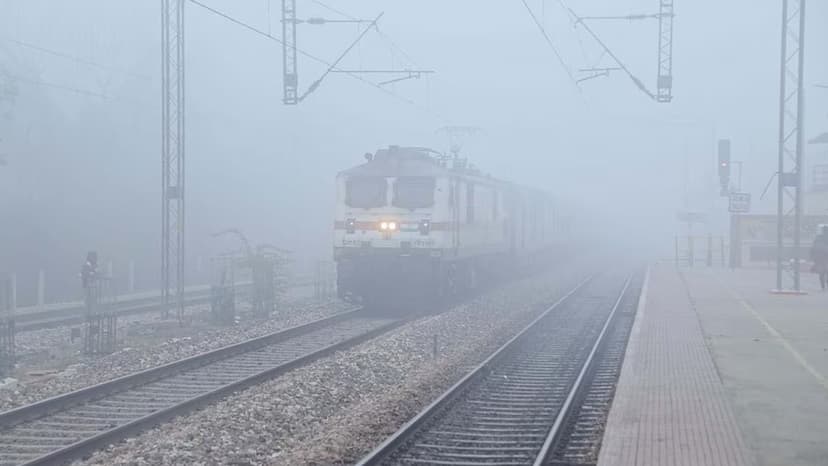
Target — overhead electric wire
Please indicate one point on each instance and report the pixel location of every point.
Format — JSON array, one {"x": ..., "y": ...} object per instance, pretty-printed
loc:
[
  {"x": 635, "y": 80},
  {"x": 334, "y": 10},
  {"x": 333, "y": 65},
  {"x": 57, "y": 86},
  {"x": 397, "y": 47},
  {"x": 82, "y": 61},
  {"x": 376, "y": 28},
  {"x": 630, "y": 17},
  {"x": 606, "y": 50},
  {"x": 577, "y": 36},
  {"x": 551, "y": 44},
  {"x": 393, "y": 45},
  {"x": 302, "y": 52},
  {"x": 568, "y": 10}
]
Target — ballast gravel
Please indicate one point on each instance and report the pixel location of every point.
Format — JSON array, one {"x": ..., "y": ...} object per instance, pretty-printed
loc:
[
  {"x": 337, "y": 409},
  {"x": 91, "y": 371}
]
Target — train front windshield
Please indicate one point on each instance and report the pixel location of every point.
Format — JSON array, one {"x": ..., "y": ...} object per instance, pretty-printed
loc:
[
  {"x": 366, "y": 191},
  {"x": 411, "y": 192}
]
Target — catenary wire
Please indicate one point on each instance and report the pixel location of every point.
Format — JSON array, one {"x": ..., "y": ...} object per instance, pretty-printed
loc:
[{"x": 304, "y": 53}]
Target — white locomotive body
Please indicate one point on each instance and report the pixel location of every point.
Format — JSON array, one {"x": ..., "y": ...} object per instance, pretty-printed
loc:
[{"x": 407, "y": 226}]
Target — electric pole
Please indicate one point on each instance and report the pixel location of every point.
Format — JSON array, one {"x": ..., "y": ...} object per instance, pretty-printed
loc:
[
  {"x": 172, "y": 156},
  {"x": 791, "y": 135},
  {"x": 664, "y": 90},
  {"x": 290, "y": 76}
]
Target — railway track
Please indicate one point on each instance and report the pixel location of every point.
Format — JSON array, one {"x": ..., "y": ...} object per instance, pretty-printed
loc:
[
  {"x": 579, "y": 440},
  {"x": 74, "y": 313},
  {"x": 68, "y": 426},
  {"x": 515, "y": 406}
]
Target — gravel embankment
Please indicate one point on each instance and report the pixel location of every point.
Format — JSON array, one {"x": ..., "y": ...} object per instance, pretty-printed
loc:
[
  {"x": 338, "y": 408},
  {"x": 144, "y": 349}
]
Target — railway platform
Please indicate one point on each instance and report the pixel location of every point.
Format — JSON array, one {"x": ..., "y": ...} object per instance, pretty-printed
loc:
[{"x": 718, "y": 371}]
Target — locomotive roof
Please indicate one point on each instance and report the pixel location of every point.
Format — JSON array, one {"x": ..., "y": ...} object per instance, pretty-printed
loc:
[
  {"x": 411, "y": 161},
  {"x": 399, "y": 161},
  {"x": 417, "y": 161}
]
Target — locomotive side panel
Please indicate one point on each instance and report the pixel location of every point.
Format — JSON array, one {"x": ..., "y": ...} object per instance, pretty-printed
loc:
[
  {"x": 539, "y": 229},
  {"x": 480, "y": 218}
]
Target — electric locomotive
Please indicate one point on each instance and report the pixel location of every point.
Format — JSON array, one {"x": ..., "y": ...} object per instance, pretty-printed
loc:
[{"x": 412, "y": 225}]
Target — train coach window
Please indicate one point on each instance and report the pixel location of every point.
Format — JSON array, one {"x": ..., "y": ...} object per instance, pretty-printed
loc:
[
  {"x": 411, "y": 192},
  {"x": 366, "y": 191}
]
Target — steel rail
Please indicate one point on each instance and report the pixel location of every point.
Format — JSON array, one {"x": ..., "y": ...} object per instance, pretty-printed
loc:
[
  {"x": 39, "y": 320},
  {"x": 581, "y": 435},
  {"x": 443, "y": 404},
  {"x": 213, "y": 375},
  {"x": 565, "y": 411},
  {"x": 397, "y": 439},
  {"x": 74, "y": 313}
]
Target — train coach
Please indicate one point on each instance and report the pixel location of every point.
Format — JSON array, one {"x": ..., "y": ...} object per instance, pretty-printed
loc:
[{"x": 414, "y": 226}]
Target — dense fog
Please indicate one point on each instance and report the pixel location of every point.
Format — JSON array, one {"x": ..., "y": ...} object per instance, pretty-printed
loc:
[{"x": 80, "y": 119}]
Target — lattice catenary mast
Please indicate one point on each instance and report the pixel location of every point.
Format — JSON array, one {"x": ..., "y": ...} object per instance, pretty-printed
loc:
[
  {"x": 791, "y": 135},
  {"x": 172, "y": 156},
  {"x": 289, "y": 61},
  {"x": 664, "y": 91}
]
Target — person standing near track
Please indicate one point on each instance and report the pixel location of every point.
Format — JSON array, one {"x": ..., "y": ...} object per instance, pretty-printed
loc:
[{"x": 819, "y": 254}]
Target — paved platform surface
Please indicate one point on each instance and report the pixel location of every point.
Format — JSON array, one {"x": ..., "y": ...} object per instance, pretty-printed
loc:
[{"x": 721, "y": 372}]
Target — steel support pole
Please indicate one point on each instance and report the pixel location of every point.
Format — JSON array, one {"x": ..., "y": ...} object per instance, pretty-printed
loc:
[
  {"x": 738, "y": 163},
  {"x": 780, "y": 174},
  {"x": 664, "y": 81},
  {"x": 290, "y": 64},
  {"x": 791, "y": 135},
  {"x": 172, "y": 156},
  {"x": 800, "y": 139}
]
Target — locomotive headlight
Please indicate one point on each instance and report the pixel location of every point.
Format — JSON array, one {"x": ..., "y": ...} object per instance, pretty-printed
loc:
[
  {"x": 392, "y": 226},
  {"x": 384, "y": 226}
]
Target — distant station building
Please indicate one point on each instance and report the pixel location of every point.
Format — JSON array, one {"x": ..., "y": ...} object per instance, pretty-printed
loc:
[
  {"x": 816, "y": 194},
  {"x": 753, "y": 236}
]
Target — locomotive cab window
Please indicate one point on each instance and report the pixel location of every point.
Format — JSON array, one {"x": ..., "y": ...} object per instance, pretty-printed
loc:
[
  {"x": 366, "y": 191},
  {"x": 411, "y": 192}
]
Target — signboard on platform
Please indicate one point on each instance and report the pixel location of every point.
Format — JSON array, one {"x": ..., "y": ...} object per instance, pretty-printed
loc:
[{"x": 739, "y": 203}]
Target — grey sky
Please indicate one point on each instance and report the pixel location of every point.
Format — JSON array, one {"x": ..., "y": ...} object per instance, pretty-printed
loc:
[{"x": 268, "y": 169}]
